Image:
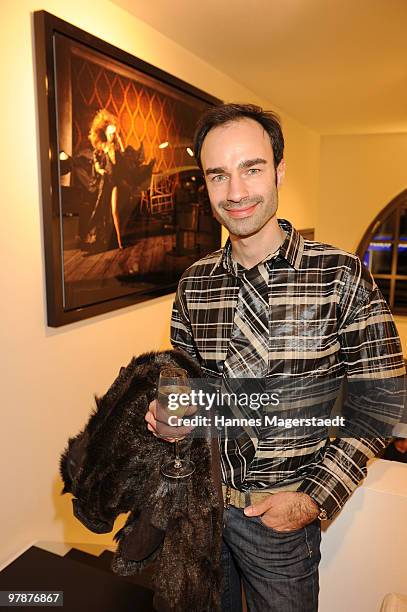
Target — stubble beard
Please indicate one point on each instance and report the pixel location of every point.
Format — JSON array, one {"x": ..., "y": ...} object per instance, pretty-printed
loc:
[{"x": 247, "y": 226}]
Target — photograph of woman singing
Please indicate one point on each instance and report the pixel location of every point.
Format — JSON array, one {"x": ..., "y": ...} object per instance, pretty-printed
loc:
[{"x": 108, "y": 153}]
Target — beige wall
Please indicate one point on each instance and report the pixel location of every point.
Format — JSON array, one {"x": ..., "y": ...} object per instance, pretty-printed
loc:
[
  {"x": 50, "y": 375},
  {"x": 359, "y": 175}
]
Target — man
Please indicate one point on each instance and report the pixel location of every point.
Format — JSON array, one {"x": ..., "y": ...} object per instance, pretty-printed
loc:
[{"x": 271, "y": 305}]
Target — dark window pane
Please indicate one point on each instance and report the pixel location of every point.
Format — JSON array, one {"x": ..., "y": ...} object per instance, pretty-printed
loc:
[
  {"x": 384, "y": 286},
  {"x": 403, "y": 225},
  {"x": 380, "y": 255},
  {"x": 402, "y": 258},
  {"x": 367, "y": 259},
  {"x": 400, "y": 298}
]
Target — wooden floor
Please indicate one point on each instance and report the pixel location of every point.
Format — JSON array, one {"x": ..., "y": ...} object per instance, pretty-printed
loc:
[{"x": 146, "y": 256}]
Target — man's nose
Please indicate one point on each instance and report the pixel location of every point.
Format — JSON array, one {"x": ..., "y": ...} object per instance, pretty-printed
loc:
[{"x": 237, "y": 189}]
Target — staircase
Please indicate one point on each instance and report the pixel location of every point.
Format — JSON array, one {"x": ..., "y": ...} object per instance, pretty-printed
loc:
[{"x": 87, "y": 582}]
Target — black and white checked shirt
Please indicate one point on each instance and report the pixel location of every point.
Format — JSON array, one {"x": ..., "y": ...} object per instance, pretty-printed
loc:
[{"x": 326, "y": 314}]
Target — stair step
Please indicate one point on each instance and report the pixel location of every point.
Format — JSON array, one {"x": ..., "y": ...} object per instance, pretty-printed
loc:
[
  {"x": 85, "y": 588},
  {"x": 104, "y": 560}
]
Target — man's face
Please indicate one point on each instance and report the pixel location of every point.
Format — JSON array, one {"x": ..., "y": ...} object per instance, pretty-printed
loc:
[{"x": 238, "y": 164}]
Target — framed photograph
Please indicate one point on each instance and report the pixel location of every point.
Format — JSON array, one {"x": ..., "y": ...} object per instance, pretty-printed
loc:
[{"x": 125, "y": 208}]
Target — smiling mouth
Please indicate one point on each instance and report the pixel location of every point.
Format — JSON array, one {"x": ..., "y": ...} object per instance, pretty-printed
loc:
[{"x": 239, "y": 213}]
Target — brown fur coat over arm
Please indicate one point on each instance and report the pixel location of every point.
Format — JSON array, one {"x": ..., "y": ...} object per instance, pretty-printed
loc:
[{"x": 113, "y": 466}]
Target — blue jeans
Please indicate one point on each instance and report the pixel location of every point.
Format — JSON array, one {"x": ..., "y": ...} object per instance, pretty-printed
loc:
[{"x": 279, "y": 570}]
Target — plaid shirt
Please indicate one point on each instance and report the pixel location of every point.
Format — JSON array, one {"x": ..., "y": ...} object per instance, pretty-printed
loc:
[{"x": 326, "y": 314}]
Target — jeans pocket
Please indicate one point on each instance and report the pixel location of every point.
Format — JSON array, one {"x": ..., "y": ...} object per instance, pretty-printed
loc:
[{"x": 313, "y": 537}]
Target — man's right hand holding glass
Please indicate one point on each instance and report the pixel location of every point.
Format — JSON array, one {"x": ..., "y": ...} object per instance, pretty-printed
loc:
[{"x": 157, "y": 422}]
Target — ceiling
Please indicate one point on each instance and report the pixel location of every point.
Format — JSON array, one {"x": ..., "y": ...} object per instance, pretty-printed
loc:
[{"x": 337, "y": 66}]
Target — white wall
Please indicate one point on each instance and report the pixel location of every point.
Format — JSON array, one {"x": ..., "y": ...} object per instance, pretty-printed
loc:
[
  {"x": 364, "y": 548},
  {"x": 359, "y": 176},
  {"x": 49, "y": 375}
]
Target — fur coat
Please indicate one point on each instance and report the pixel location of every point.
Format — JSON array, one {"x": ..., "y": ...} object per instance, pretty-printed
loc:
[{"x": 113, "y": 466}]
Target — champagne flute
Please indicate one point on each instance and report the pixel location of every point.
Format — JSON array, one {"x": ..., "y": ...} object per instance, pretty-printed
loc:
[{"x": 174, "y": 380}]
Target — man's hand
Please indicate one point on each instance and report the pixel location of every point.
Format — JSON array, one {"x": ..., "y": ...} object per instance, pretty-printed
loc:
[
  {"x": 157, "y": 423},
  {"x": 285, "y": 511}
]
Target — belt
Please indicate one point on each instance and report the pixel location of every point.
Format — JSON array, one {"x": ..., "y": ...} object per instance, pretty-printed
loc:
[{"x": 242, "y": 499}]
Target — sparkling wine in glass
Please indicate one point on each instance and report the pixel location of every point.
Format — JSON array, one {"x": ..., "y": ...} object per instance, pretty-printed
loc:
[{"x": 174, "y": 380}]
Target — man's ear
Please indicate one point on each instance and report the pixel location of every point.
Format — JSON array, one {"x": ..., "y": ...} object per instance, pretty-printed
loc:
[{"x": 280, "y": 172}]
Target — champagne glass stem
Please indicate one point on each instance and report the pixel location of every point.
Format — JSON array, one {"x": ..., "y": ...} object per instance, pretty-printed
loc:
[{"x": 177, "y": 461}]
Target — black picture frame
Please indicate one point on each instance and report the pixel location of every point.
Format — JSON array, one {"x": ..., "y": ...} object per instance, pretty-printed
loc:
[{"x": 137, "y": 191}]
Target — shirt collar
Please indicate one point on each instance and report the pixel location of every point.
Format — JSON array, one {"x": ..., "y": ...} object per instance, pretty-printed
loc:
[{"x": 291, "y": 250}]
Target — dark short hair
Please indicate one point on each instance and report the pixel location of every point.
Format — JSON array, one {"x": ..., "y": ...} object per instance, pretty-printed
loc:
[{"x": 225, "y": 113}]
